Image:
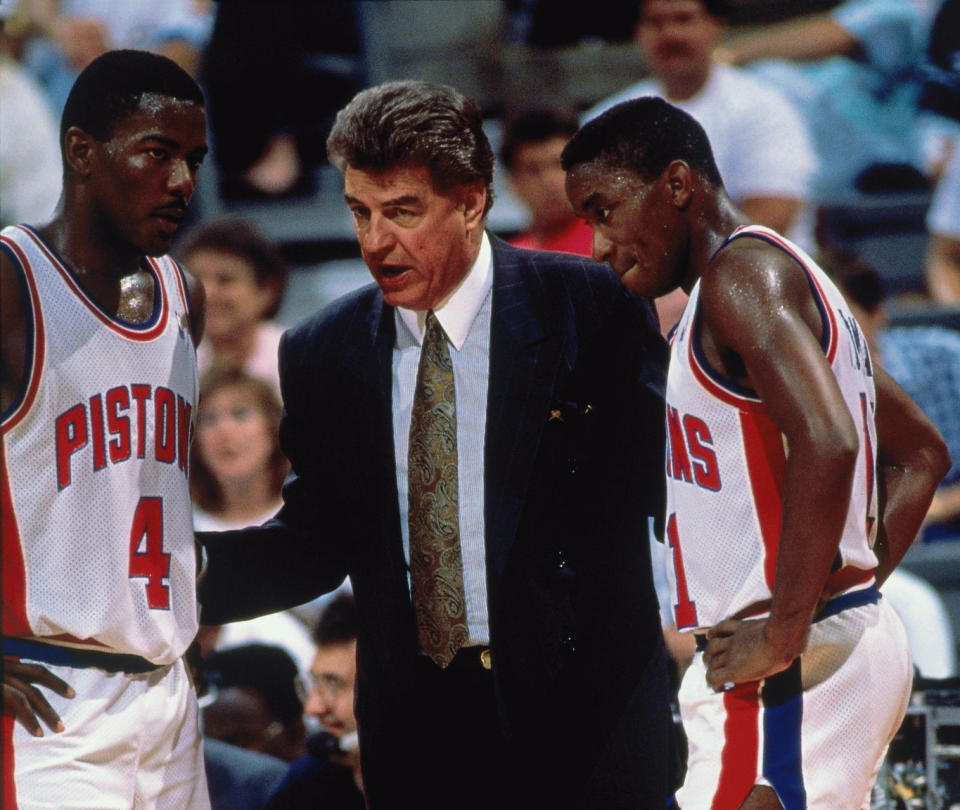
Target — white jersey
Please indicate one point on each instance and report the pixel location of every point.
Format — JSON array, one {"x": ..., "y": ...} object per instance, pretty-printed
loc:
[
  {"x": 98, "y": 546},
  {"x": 725, "y": 462}
]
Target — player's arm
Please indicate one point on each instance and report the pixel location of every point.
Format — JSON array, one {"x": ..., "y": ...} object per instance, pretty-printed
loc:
[
  {"x": 912, "y": 459},
  {"x": 759, "y": 311}
]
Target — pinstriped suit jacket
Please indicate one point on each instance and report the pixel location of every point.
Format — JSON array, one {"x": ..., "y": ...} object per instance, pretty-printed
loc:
[{"x": 573, "y": 466}]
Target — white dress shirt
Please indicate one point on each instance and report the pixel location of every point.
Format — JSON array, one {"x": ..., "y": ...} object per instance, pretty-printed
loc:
[{"x": 465, "y": 318}]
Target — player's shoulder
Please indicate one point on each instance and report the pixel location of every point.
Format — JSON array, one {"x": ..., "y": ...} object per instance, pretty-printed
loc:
[{"x": 752, "y": 269}]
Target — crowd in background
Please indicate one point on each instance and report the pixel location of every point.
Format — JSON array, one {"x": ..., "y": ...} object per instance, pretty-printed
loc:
[{"x": 848, "y": 99}]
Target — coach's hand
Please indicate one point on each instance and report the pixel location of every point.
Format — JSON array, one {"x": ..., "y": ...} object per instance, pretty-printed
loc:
[
  {"x": 24, "y": 701},
  {"x": 738, "y": 652}
]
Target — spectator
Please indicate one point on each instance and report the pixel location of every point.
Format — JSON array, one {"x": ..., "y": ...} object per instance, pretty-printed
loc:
[
  {"x": 30, "y": 168},
  {"x": 64, "y": 36},
  {"x": 759, "y": 140},
  {"x": 943, "y": 227},
  {"x": 236, "y": 473},
  {"x": 240, "y": 779},
  {"x": 255, "y": 700},
  {"x": 329, "y": 775},
  {"x": 925, "y": 361},
  {"x": 853, "y": 70},
  {"x": 274, "y": 56},
  {"x": 237, "y": 467},
  {"x": 244, "y": 276},
  {"x": 532, "y": 142}
]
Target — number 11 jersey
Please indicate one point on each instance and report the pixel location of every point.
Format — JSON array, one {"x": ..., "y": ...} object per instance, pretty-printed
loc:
[
  {"x": 97, "y": 533},
  {"x": 725, "y": 462}
]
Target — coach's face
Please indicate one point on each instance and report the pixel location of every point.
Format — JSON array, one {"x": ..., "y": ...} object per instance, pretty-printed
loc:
[{"x": 418, "y": 241}]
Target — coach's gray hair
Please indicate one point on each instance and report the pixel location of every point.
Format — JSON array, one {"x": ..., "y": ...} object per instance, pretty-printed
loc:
[{"x": 414, "y": 123}]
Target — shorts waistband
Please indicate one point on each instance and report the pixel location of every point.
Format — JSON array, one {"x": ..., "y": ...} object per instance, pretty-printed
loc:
[
  {"x": 74, "y": 657},
  {"x": 846, "y": 601},
  {"x": 850, "y": 599}
]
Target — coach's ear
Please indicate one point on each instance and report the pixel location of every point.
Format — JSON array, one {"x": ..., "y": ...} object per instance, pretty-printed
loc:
[
  {"x": 473, "y": 199},
  {"x": 679, "y": 183},
  {"x": 78, "y": 149}
]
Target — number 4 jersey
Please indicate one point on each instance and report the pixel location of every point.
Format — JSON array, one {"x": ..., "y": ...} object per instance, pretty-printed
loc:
[
  {"x": 97, "y": 537},
  {"x": 725, "y": 462}
]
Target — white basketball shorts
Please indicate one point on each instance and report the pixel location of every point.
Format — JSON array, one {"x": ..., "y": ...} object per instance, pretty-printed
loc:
[
  {"x": 130, "y": 741},
  {"x": 816, "y": 733}
]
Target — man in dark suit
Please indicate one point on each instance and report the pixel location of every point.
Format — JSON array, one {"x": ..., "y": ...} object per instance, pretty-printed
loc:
[{"x": 488, "y": 496}]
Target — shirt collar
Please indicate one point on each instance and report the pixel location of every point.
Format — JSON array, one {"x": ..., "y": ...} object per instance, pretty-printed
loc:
[{"x": 458, "y": 312}]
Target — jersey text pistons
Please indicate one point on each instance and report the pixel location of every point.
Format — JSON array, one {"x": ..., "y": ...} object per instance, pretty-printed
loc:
[
  {"x": 690, "y": 453},
  {"x": 116, "y": 425}
]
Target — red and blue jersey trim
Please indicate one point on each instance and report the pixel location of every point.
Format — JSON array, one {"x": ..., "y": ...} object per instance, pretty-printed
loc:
[
  {"x": 148, "y": 330},
  {"x": 727, "y": 390}
]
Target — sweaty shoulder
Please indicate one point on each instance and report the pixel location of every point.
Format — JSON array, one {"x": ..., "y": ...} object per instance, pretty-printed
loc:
[{"x": 748, "y": 287}]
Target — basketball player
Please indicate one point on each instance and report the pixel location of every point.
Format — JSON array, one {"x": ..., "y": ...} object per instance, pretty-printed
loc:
[
  {"x": 99, "y": 388},
  {"x": 798, "y": 474}
]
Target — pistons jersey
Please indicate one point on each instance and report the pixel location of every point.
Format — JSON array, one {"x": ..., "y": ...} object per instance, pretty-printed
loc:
[
  {"x": 725, "y": 463},
  {"x": 98, "y": 547}
]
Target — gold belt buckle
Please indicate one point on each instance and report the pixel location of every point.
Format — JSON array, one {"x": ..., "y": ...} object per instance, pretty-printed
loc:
[{"x": 486, "y": 659}]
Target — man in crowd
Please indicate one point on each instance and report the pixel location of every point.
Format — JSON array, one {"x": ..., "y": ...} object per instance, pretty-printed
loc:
[{"x": 477, "y": 441}]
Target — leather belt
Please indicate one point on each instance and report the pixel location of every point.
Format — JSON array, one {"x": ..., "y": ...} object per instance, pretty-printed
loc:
[{"x": 472, "y": 658}]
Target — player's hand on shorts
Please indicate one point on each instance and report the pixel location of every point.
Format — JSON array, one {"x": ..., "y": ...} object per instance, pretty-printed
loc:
[
  {"x": 738, "y": 652},
  {"x": 24, "y": 701}
]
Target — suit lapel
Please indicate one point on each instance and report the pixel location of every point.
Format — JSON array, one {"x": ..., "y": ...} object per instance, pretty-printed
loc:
[{"x": 525, "y": 352}]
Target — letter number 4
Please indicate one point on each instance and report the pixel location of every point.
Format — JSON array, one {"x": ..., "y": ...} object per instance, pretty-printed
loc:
[{"x": 147, "y": 557}]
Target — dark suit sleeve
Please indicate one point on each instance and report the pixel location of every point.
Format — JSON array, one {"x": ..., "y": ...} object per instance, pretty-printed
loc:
[{"x": 302, "y": 552}]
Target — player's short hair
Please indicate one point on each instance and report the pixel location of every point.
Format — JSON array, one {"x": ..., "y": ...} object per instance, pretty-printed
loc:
[
  {"x": 243, "y": 240},
  {"x": 643, "y": 136},
  {"x": 414, "y": 123},
  {"x": 111, "y": 86},
  {"x": 535, "y": 124},
  {"x": 338, "y": 621}
]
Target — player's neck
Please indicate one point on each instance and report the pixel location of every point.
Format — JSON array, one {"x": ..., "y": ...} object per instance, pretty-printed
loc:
[
  {"x": 108, "y": 273},
  {"x": 87, "y": 252},
  {"x": 717, "y": 219}
]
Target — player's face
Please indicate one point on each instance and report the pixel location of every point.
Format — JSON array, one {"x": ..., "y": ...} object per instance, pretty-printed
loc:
[
  {"x": 236, "y": 303},
  {"x": 234, "y": 437},
  {"x": 635, "y": 227},
  {"x": 417, "y": 241},
  {"x": 538, "y": 179},
  {"x": 143, "y": 177},
  {"x": 331, "y": 689},
  {"x": 677, "y": 37}
]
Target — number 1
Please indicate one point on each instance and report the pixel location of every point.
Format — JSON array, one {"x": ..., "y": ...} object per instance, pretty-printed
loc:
[{"x": 685, "y": 611}]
